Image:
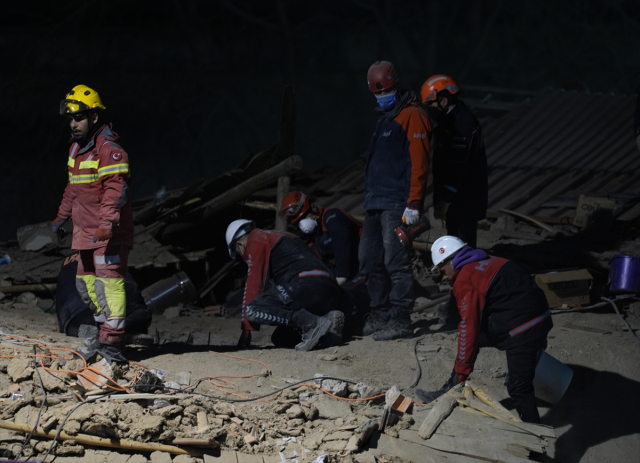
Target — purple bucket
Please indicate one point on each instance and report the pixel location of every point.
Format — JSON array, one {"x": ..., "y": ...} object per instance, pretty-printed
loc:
[{"x": 624, "y": 274}]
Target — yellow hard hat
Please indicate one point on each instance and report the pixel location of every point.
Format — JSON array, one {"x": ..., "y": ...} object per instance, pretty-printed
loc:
[{"x": 80, "y": 98}]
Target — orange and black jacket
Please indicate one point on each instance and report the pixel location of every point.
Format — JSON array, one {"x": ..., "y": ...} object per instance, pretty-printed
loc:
[
  {"x": 398, "y": 158},
  {"x": 337, "y": 244},
  {"x": 460, "y": 164}
]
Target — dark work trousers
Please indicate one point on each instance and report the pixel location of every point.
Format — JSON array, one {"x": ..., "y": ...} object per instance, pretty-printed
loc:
[
  {"x": 386, "y": 264},
  {"x": 521, "y": 362},
  {"x": 316, "y": 294},
  {"x": 463, "y": 228}
]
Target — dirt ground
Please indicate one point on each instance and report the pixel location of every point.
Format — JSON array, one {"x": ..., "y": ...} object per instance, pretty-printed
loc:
[{"x": 596, "y": 421}]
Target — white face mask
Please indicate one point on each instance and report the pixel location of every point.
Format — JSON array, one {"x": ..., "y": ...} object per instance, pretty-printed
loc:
[{"x": 308, "y": 225}]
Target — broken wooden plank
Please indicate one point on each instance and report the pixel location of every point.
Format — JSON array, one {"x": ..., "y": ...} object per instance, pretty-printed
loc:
[
  {"x": 85, "y": 439},
  {"x": 488, "y": 400},
  {"x": 482, "y": 449},
  {"x": 537, "y": 430},
  {"x": 283, "y": 189},
  {"x": 441, "y": 409},
  {"x": 381, "y": 444}
]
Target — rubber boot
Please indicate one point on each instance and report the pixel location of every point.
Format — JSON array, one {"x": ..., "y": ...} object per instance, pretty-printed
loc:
[
  {"x": 375, "y": 321},
  {"x": 398, "y": 326},
  {"x": 112, "y": 344},
  {"x": 312, "y": 328}
]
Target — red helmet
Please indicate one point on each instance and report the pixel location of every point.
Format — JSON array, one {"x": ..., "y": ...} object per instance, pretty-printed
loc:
[
  {"x": 294, "y": 206},
  {"x": 435, "y": 84},
  {"x": 382, "y": 76}
]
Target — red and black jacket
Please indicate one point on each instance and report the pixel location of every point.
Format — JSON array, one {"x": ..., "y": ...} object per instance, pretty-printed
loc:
[
  {"x": 337, "y": 246},
  {"x": 275, "y": 258},
  {"x": 500, "y": 305}
]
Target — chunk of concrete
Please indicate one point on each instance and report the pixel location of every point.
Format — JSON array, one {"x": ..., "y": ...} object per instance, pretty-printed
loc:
[
  {"x": 184, "y": 459},
  {"x": 334, "y": 386},
  {"x": 19, "y": 369},
  {"x": 160, "y": 457},
  {"x": 294, "y": 412},
  {"x": 137, "y": 459},
  {"x": 51, "y": 382},
  {"x": 332, "y": 409}
]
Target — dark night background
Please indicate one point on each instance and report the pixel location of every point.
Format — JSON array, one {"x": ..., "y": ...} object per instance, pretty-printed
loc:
[{"x": 193, "y": 87}]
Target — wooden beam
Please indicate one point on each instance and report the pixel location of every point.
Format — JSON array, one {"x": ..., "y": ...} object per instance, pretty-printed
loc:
[{"x": 281, "y": 192}]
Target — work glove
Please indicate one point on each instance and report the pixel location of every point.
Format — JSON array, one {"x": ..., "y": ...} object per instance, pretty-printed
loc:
[
  {"x": 341, "y": 280},
  {"x": 410, "y": 216},
  {"x": 102, "y": 234},
  {"x": 57, "y": 224},
  {"x": 440, "y": 210}
]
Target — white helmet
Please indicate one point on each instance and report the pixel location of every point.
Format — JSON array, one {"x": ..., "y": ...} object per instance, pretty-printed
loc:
[
  {"x": 235, "y": 230},
  {"x": 444, "y": 248}
]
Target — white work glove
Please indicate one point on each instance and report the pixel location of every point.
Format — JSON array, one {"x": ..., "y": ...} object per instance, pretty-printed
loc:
[
  {"x": 410, "y": 216},
  {"x": 341, "y": 280}
]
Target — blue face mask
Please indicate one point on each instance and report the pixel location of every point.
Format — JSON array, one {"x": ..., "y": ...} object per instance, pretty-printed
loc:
[{"x": 387, "y": 102}]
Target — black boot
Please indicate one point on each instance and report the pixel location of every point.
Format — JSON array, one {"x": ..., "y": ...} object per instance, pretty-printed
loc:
[
  {"x": 312, "y": 327},
  {"x": 398, "y": 326},
  {"x": 376, "y": 320}
]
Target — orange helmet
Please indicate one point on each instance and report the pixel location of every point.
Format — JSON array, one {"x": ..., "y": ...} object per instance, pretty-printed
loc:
[
  {"x": 294, "y": 206},
  {"x": 435, "y": 84},
  {"x": 382, "y": 75}
]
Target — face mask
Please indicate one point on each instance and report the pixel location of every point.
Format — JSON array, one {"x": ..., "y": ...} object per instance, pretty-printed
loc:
[
  {"x": 387, "y": 102},
  {"x": 307, "y": 225},
  {"x": 435, "y": 114}
]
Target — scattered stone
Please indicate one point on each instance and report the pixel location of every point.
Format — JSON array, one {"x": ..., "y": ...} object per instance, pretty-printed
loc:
[
  {"x": 72, "y": 427},
  {"x": 391, "y": 395},
  {"x": 172, "y": 312},
  {"x": 160, "y": 457},
  {"x": 184, "y": 459},
  {"x": 334, "y": 386},
  {"x": 365, "y": 457},
  {"x": 352, "y": 444},
  {"x": 137, "y": 459},
  {"x": 295, "y": 411},
  {"x": 332, "y": 409},
  {"x": 51, "y": 382},
  {"x": 310, "y": 412},
  {"x": 327, "y": 357},
  {"x": 74, "y": 365},
  {"x": 340, "y": 435},
  {"x": 168, "y": 412},
  {"x": 250, "y": 440},
  {"x": 19, "y": 369},
  {"x": 295, "y": 423},
  {"x": 26, "y": 415},
  {"x": 27, "y": 298},
  {"x": 334, "y": 445},
  {"x": 68, "y": 450}
]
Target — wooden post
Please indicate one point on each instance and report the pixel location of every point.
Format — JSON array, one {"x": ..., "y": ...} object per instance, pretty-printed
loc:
[{"x": 283, "y": 189}]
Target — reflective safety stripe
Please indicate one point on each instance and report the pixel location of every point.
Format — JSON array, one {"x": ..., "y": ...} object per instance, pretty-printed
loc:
[
  {"x": 89, "y": 164},
  {"x": 71, "y": 162},
  {"x": 112, "y": 298},
  {"x": 114, "y": 169},
  {"x": 106, "y": 260},
  {"x": 314, "y": 273},
  {"x": 90, "y": 178},
  {"x": 530, "y": 324}
]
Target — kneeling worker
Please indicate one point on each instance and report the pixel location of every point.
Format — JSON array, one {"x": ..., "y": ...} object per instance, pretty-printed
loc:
[
  {"x": 287, "y": 286},
  {"x": 501, "y": 306}
]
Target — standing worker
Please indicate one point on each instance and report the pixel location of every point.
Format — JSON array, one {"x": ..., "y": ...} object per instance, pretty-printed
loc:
[
  {"x": 335, "y": 234},
  {"x": 287, "y": 286},
  {"x": 501, "y": 306},
  {"x": 97, "y": 199},
  {"x": 395, "y": 181},
  {"x": 460, "y": 185}
]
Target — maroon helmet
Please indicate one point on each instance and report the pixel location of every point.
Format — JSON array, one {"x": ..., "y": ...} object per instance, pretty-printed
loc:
[{"x": 382, "y": 76}]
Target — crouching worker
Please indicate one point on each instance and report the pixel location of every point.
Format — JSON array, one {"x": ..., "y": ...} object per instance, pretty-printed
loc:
[
  {"x": 287, "y": 286},
  {"x": 334, "y": 236},
  {"x": 501, "y": 306},
  {"x": 73, "y": 312}
]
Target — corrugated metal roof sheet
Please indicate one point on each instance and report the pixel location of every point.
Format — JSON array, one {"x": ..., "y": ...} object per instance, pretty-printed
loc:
[{"x": 542, "y": 156}]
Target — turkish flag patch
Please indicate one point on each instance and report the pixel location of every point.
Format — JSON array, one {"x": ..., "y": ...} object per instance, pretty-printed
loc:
[{"x": 116, "y": 156}]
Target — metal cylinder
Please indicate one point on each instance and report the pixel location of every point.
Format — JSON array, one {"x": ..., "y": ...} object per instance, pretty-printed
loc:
[{"x": 169, "y": 292}]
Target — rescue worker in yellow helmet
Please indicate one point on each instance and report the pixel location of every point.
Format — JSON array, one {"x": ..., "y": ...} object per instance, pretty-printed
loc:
[{"x": 97, "y": 199}]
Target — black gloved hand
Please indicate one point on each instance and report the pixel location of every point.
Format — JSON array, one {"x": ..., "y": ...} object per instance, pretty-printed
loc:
[
  {"x": 426, "y": 396},
  {"x": 453, "y": 380}
]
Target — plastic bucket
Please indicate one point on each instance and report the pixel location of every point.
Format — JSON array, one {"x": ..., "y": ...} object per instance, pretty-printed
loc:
[
  {"x": 169, "y": 292},
  {"x": 624, "y": 274},
  {"x": 552, "y": 378}
]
